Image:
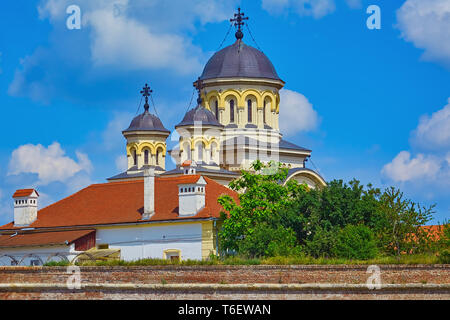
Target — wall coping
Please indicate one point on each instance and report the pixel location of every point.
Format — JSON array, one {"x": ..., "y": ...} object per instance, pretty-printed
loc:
[
  {"x": 14, "y": 287},
  {"x": 49, "y": 269}
]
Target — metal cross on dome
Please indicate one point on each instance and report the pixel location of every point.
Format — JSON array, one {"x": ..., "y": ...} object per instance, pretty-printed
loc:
[
  {"x": 238, "y": 22},
  {"x": 146, "y": 91},
  {"x": 199, "y": 85}
]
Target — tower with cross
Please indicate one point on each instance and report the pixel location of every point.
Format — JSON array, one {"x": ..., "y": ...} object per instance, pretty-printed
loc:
[{"x": 146, "y": 141}]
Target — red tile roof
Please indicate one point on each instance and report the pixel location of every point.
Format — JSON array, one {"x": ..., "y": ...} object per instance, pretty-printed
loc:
[
  {"x": 42, "y": 238},
  {"x": 186, "y": 163},
  {"x": 123, "y": 202},
  {"x": 23, "y": 193}
]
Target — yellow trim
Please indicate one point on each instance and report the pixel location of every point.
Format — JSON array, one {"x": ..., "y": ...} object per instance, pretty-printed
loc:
[
  {"x": 131, "y": 146},
  {"x": 254, "y": 93},
  {"x": 269, "y": 94},
  {"x": 230, "y": 92},
  {"x": 169, "y": 251},
  {"x": 149, "y": 145},
  {"x": 208, "y": 237},
  {"x": 212, "y": 94}
]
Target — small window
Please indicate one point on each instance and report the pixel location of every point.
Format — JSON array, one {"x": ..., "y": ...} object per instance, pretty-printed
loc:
[
  {"x": 134, "y": 158},
  {"x": 217, "y": 110},
  {"x": 232, "y": 111},
  {"x": 264, "y": 112},
  {"x": 146, "y": 156},
  {"x": 249, "y": 110}
]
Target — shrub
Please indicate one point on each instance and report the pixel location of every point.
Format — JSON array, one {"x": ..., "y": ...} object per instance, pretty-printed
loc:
[
  {"x": 268, "y": 241},
  {"x": 356, "y": 242},
  {"x": 444, "y": 256}
]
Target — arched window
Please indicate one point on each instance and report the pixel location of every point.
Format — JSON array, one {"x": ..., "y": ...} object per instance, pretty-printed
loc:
[
  {"x": 264, "y": 112},
  {"x": 134, "y": 157},
  {"x": 157, "y": 157},
  {"x": 249, "y": 110},
  {"x": 200, "y": 151},
  {"x": 217, "y": 110},
  {"x": 232, "y": 111},
  {"x": 146, "y": 156}
]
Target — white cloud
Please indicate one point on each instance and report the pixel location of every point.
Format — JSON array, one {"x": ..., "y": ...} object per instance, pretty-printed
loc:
[
  {"x": 50, "y": 164},
  {"x": 122, "y": 163},
  {"x": 427, "y": 25},
  {"x": 314, "y": 8},
  {"x": 112, "y": 136},
  {"x": 126, "y": 43},
  {"x": 143, "y": 34},
  {"x": 404, "y": 168},
  {"x": 354, "y": 4},
  {"x": 433, "y": 133},
  {"x": 296, "y": 113}
]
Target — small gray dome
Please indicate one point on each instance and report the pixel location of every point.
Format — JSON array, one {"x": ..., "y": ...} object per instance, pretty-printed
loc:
[
  {"x": 146, "y": 122},
  {"x": 199, "y": 114},
  {"x": 239, "y": 60}
]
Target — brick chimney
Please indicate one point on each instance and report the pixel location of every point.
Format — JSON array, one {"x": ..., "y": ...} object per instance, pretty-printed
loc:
[
  {"x": 149, "y": 193},
  {"x": 25, "y": 206}
]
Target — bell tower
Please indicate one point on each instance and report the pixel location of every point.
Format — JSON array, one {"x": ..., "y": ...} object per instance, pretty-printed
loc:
[{"x": 146, "y": 139}]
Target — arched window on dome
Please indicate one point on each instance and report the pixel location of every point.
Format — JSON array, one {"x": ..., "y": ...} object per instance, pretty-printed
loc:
[
  {"x": 146, "y": 156},
  {"x": 134, "y": 155},
  {"x": 200, "y": 152},
  {"x": 217, "y": 110},
  {"x": 232, "y": 111},
  {"x": 249, "y": 110},
  {"x": 264, "y": 112}
]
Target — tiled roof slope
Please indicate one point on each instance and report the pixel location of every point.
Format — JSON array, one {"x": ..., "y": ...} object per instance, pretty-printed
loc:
[
  {"x": 42, "y": 238},
  {"x": 23, "y": 193},
  {"x": 123, "y": 202}
]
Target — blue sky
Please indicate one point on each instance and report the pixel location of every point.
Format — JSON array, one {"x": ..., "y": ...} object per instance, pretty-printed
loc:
[{"x": 371, "y": 104}]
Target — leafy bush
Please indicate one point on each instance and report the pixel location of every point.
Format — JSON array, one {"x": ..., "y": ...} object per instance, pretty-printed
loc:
[
  {"x": 444, "y": 256},
  {"x": 267, "y": 241},
  {"x": 356, "y": 242}
]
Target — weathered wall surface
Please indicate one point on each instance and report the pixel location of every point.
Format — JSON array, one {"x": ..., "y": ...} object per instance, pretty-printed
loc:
[{"x": 227, "y": 282}]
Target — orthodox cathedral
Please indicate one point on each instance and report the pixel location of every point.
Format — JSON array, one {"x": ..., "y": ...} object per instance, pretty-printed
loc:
[{"x": 150, "y": 212}]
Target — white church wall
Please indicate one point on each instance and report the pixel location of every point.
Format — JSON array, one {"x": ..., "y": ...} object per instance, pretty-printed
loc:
[{"x": 151, "y": 241}]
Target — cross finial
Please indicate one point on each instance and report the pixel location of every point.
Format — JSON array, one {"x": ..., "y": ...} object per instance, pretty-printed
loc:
[
  {"x": 199, "y": 85},
  {"x": 146, "y": 91},
  {"x": 238, "y": 22}
]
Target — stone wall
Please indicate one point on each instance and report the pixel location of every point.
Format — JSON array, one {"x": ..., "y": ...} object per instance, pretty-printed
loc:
[{"x": 227, "y": 282}]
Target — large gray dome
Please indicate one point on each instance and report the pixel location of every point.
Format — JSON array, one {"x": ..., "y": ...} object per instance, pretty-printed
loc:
[
  {"x": 199, "y": 114},
  {"x": 239, "y": 60},
  {"x": 146, "y": 122}
]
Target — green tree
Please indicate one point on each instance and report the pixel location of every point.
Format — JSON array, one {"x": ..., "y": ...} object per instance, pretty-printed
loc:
[
  {"x": 262, "y": 196},
  {"x": 356, "y": 242},
  {"x": 400, "y": 229}
]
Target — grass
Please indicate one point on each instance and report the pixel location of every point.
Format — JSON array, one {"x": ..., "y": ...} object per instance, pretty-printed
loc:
[{"x": 404, "y": 259}]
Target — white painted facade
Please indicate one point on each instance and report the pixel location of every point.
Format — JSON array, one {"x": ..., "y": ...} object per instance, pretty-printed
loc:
[
  {"x": 142, "y": 242},
  {"x": 38, "y": 255}
]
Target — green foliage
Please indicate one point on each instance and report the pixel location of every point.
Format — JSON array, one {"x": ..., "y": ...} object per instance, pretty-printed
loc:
[
  {"x": 267, "y": 241},
  {"x": 444, "y": 256},
  {"x": 400, "y": 227},
  {"x": 343, "y": 220},
  {"x": 261, "y": 198},
  {"x": 61, "y": 263},
  {"x": 356, "y": 242}
]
